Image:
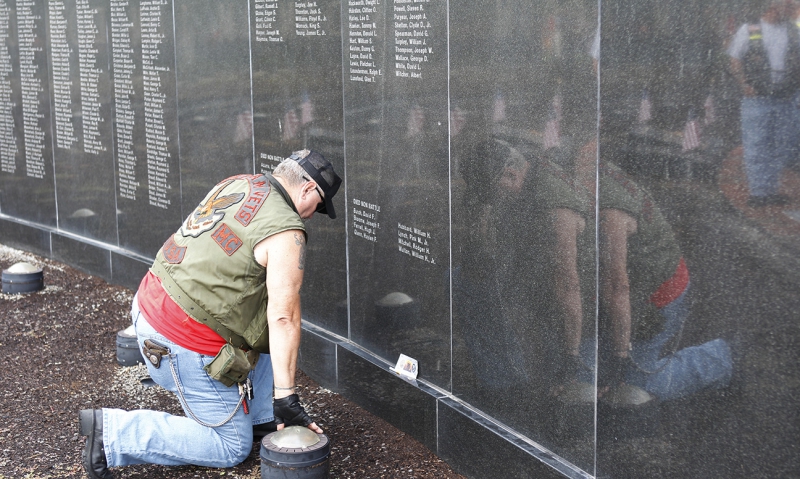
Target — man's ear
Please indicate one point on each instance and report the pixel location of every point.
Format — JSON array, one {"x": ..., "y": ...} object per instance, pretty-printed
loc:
[{"x": 308, "y": 188}]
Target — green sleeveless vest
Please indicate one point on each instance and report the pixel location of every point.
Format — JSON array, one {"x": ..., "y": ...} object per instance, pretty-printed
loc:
[{"x": 208, "y": 267}]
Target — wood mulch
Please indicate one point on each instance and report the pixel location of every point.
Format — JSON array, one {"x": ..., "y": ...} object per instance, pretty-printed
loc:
[{"x": 59, "y": 356}]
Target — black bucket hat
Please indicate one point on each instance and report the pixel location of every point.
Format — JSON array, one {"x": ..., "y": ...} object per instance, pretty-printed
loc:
[{"x": 321, "y": 171}]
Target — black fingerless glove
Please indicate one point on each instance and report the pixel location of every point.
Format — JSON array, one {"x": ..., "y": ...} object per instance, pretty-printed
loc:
[
  {"x": 290, "y": 411},
  {"x": 612, "y": 371}
]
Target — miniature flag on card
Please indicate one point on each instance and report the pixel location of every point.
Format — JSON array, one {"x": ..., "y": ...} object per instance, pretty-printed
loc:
[
  {"x": 458, "y": 118},
  {"x": 306, "y": 110},
  {"x": 691, "y": 132},
  {"x": 710, "y": 115},
  {"x": 499, "y": 111},
  {"x": 645, "y": 108},
  {"x": 416, "y": 120},
  {"x": 552, "y": 129},
  {"x": 290, "y": 124},
  {"x": 552, "y": 36},
  {"x": 244, "y": 127}
]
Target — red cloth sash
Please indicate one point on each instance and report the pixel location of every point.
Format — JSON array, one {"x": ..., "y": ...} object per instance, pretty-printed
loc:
[
  {"x": 166, "y": 317},
  {"x": 672, "y": 288}
]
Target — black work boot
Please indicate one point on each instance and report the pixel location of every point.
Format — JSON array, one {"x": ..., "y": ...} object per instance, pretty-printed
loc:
[{"x": 94, "y": 456}]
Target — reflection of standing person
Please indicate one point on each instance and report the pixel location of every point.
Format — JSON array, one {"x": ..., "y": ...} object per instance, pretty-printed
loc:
[
  {"x": 765, "y": 60},
  {"x": 219, "y": 307}
]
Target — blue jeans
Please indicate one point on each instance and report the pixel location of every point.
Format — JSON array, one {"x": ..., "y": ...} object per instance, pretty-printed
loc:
[
  {"x": 153, "y": 437},
  {"x": 676, "y": 375},
  {"x": 768, "y": 137}
]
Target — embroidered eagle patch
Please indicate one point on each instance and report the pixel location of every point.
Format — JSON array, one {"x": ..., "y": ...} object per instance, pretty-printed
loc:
[{"x": 208, "y": 214}]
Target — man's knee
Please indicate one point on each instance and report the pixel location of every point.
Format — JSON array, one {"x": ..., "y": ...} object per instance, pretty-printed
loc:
[{"x": 239, "y": 450}]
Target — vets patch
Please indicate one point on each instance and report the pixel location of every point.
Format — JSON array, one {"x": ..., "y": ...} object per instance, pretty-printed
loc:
[{"x": 259, "y": 191}]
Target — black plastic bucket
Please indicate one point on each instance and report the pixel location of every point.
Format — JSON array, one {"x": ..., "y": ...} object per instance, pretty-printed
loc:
[
  {"x": 22, "y": 278},
  {"x": 295, "y": 453},
  {"x": 128, "y": 352}
]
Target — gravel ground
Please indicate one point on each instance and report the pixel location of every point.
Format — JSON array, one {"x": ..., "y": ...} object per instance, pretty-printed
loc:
[{"x": 59, "y": 356}]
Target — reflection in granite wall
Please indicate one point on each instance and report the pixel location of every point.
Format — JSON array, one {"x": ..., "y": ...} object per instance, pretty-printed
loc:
[
  {"x": 522, "y": 106},
  {"x": 395, "y": 107},
  {"x": 698, "y": 218},
  {"x": 148, "y": 181},
  {"x": 296, "y": 50},
  {"x": 580, "y": 217}
]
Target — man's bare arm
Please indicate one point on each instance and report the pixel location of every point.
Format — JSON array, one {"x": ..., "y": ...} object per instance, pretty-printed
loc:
[
  {"x": 568, "y": 226},
  {"x": 616, "y": 227},
  {"x": 283, "y": 255}
]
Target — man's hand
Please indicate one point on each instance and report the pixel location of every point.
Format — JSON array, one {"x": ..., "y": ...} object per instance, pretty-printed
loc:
[{"x": 289, "y": 410}]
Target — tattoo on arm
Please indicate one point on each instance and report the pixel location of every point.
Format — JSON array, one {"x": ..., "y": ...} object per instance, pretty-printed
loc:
[{"x": 300, "y": 240}]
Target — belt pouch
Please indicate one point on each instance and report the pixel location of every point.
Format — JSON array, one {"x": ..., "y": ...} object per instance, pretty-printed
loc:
[
  {"x": 230, "y": 366},
  {"x": 154, "y": 352}
]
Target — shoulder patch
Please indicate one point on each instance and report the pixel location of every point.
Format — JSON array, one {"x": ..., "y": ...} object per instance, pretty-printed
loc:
[{"x": 173, "y": 253}]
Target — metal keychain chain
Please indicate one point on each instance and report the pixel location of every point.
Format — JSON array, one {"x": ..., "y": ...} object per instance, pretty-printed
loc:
[{"x": 186, "y": 404}]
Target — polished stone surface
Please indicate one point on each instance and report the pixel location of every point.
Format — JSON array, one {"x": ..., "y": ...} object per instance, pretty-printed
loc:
[
  {"x": 369, "y": 384},
  {"x": 482, "y": 448},
  {"x": 82, "y": 255},
  {"x": 83, "y": 153},
  {"x": 149, "y": 179},
  {"x": 296, "y": 52},
  {"x": 317, "y": 357},
  {"x": 26, "y": 238},
  {"x": 27, "y": 184},
  {"x": 529, "y": 189},
  {"x": 513, "y": 133},
  {"x": 128, "y": 271},
  {"x": 396, "y": 124}
]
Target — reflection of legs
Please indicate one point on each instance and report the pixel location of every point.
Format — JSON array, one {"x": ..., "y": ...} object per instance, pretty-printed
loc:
[
  {"x": 784, "y": 138},
  {"x": 684, "y": 372},
  {"x": 768, "y": 136},
  {"x": 690, "y": 370},
  {"x": 679, "y": 374},
  {"x": 756, "y": 141}
]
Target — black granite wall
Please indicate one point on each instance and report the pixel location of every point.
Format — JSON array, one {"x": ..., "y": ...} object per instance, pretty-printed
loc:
[{"x": 533, "y": 191}]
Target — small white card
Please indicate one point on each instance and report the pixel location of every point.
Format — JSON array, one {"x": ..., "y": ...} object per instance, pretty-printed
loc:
[{"x": 407, "y": 367}]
